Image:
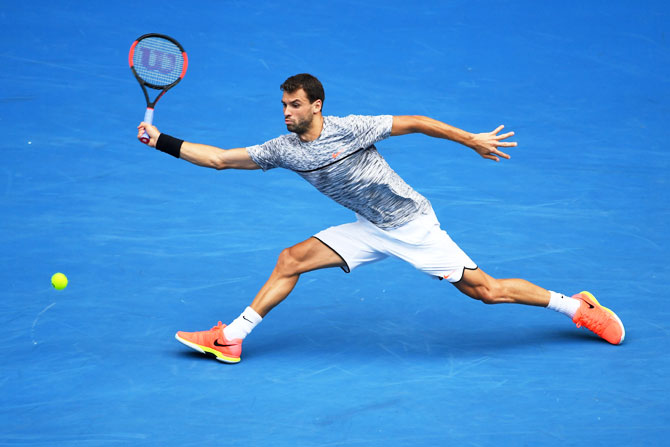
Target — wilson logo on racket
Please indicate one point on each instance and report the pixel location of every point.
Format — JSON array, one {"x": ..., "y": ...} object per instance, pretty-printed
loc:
[{"x": 158, "y": 62}]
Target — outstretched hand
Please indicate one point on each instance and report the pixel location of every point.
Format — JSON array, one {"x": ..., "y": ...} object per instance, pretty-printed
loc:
[
  {"x": 487, "y": 144},
  {"x": 152, "y": 131}
]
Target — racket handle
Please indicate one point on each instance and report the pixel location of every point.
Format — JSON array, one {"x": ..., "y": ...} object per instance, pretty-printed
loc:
[{"x": 149, "y": 119}]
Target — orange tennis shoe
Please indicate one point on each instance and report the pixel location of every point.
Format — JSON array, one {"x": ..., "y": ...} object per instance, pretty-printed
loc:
[
  {"x": 213, "y": 342},
  {"x": 599, "y": 319}
]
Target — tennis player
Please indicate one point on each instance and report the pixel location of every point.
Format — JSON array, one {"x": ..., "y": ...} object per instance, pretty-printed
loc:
[{"x": 338, "y": 156}]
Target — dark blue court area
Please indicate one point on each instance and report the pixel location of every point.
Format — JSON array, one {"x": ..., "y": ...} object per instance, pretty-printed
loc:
[{"x": 384, "y": 356}]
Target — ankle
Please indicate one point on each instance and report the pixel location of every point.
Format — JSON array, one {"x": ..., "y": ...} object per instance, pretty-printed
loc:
[
  {"x": 242, "y": 325},
  {"x": 563, "y": 304}
]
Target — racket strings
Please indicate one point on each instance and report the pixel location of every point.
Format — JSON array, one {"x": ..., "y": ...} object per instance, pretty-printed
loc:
[{"x": 158, "y": 61}]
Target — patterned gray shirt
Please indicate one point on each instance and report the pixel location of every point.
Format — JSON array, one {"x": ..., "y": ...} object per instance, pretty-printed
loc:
[{"x": 344, "y": 164}]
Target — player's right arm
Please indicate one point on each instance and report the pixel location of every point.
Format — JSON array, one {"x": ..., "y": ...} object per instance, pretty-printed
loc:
[
  {"x": 203, "y": 154},
  {"x": 216, "y": 158}
]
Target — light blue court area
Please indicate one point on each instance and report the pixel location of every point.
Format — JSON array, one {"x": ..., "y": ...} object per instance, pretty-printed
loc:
[{"x": 383, "y": 356}]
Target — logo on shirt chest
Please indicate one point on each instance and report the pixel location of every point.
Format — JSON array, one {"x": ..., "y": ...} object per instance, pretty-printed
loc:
[{"x": 336, "y": 154}]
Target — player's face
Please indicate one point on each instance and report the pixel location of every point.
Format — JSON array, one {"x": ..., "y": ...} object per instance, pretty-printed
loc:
[{"x": 298, "y": 111}]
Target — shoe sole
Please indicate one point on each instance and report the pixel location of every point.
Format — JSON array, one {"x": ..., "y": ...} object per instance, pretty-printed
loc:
[
  {"x": 623, "y": 330},
  {"x": 208, "y": 351}
]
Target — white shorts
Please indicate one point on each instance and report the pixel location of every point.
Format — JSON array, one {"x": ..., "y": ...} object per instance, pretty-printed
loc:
[{"x": 420, "y": 242}]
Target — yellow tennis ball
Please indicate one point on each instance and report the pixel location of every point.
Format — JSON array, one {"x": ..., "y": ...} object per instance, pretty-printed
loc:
[{"x": 59, "y": 281}]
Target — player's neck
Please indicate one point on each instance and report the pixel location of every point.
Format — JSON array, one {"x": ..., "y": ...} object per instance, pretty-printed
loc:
[{"x": 314, "y": 130}]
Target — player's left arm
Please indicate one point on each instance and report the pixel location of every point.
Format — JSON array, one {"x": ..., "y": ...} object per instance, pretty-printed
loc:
[{"x": 485, "y": 144}]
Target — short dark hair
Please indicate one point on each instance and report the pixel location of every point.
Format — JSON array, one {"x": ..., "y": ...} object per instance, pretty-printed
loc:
[{"x": 308, "y": 83}]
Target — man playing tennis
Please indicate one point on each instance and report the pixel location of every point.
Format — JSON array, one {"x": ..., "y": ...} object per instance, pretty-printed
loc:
[{"x": 338, "y": 156}]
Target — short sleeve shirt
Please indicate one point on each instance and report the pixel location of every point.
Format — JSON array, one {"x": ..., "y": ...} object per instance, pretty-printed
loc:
[{"x": 344, "y": 164}]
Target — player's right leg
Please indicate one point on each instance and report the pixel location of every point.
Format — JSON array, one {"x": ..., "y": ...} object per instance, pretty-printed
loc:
[
  {"x": 304, "y": 257},
  {"x": 225, "y": 344}
]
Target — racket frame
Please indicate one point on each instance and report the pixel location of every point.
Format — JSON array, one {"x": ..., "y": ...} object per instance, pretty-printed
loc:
[{"x": 149, "y": 113}]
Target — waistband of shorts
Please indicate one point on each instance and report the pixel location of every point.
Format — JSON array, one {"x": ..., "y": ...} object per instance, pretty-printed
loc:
[{"x": 429, "y": 216}]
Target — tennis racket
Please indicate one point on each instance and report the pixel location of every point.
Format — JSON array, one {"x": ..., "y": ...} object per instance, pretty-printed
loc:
[{"x": 158, "y": 62}]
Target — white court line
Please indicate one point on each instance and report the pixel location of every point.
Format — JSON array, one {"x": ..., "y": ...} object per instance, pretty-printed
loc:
[{"x": 32, "y": 329}]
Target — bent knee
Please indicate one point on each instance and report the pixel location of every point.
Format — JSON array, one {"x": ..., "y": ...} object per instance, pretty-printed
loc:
[{"x": 289, "y": 262}]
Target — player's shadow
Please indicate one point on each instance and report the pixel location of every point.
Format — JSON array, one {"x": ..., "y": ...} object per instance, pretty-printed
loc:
[{"x": 360, "y": 342}]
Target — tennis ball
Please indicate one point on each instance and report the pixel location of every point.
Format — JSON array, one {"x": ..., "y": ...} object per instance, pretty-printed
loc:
[{"x": 59, "y": 281}]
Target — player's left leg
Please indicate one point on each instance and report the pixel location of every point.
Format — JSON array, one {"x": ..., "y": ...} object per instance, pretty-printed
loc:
[
  {"x": 430, "y": 249},
  {"x": 583, "y": 308},
  {"x": 480, "y": 286}
]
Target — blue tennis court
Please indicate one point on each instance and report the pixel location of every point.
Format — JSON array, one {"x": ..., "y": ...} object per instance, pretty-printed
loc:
[{"x": 382, "y": 356}]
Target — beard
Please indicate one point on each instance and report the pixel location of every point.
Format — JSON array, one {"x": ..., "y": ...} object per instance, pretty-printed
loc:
[{"x": 300, "y": 127}]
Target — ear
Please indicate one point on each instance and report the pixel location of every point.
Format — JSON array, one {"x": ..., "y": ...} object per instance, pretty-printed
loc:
[{"x": 317, "y": 105}]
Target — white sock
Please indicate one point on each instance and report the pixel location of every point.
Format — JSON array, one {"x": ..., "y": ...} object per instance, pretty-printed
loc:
[
  {"x": 242, "y": 325},
  {"x": 563, "y": 304}
]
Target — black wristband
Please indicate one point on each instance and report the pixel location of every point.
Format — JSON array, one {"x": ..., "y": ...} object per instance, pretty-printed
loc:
[{"x": 169, "y": 145}]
